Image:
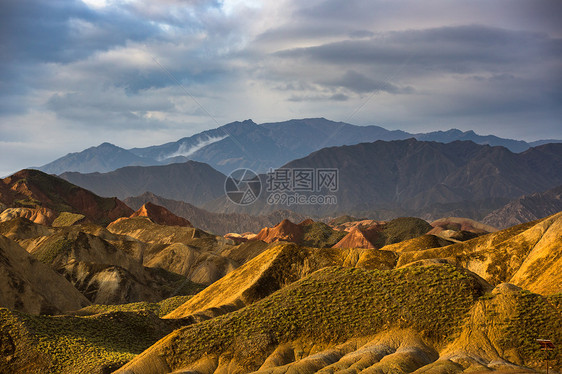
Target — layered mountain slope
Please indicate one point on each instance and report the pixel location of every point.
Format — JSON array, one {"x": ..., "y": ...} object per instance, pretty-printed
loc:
[
  {"x": 289, "y": 310},
  {"x": 264, "y": 274},
  {"x": 143, "y": 229},
  {"x": 102, "y": 272},
  {"x": 277, "y": 266},
  {"x": 21, "y": 229},
  {"x": 195, "y": 264},
  {"x": 419, "y": 243},
  {"x": 73, "y": 244},
  {"x": 284, "y": 231},
  {"x": 502, "y": 329},
  {"x": 307, "y": 232},
  {"x": 319, "y": 234},
  {"x": 106, "y": 268},
  {"x": 461, "y": 224},
  {"x": 528, "y": 255},
  {"x": 68, "y": 219},
  {"x": 34, "y": 191},
  {"x": 360, "y": 238},
  {"x": 218, "y": 223},
  {"x": 189, "y": 181},
  {"x": 30, "y": 286},
  {"x": 459, "y": 229},
  {"x": 43, "y": 216},
  {"x": 526, "y": 208},
  {"x": 308, "y": 323},
  {"x": 347, "y": 223},
  {"x": 187, "y": 251}
]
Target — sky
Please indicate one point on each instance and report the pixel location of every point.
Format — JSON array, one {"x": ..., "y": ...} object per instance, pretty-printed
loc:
[{"x": 74, "y": 74}]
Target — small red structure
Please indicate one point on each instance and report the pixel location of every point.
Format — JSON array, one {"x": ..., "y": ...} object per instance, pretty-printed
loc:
[{"x": 546, "y": 346}]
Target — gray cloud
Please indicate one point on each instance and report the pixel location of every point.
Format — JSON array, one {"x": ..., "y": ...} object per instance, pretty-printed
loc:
[
  {"x": 68, "y": 69},
  {"x": 318, "y": 97},
  {"x": 460, "y": 49},
  {"x": 107, "y": 109},
  {"x": 54, "y": 31},
  {"x": 359, "y": 83}
]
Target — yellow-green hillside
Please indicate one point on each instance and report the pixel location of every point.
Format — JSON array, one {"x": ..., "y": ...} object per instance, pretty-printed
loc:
[
  {"x": 330, "y": 306},
  {"x": 274, "y": 269},
  {"x": 70, "y": 344},
  {"x": 528, "y": 255}
]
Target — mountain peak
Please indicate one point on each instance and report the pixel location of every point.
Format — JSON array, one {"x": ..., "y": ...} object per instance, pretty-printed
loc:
[
  {"x": 106, "y": 145},
  {"x": 283, "y": 231},
  {"x": 259, "y": 147},
  {"x": 160, "y": 215}
]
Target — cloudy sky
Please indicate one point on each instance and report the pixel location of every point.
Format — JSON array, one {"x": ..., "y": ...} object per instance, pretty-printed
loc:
[{"x": 74, "y": 74}]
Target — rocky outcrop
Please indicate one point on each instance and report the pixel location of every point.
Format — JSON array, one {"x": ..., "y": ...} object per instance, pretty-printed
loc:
[
  {"x": 160, "y": 215},
  {"x": 360, "y": 238},
  {"x": 42, "y": 216},
  {"x": 284, "y": 231},
  {"x": 41, "y": 197}
]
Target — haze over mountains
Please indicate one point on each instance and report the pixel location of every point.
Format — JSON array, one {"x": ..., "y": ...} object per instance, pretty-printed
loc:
[
  {"x": 190, "y": 181},
  {"x": 425, "y": 179},
  {"x": 258, "y": 147},
  {"x": 526, "y": 208},
  {"x": 379, "y": 180}
]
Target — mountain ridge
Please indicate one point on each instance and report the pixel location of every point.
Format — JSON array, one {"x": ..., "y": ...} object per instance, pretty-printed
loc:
[
  {"x": 36, "y": 195},
  {"x": 425, "y": 179},
  {"x": 527, "y": 208},
  {"x": 189, "y": 181},
  {"x": 259, "y": 147}
]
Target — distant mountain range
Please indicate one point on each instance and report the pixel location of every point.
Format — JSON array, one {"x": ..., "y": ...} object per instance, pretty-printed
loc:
[
  {"x": 190, "y": 181},
  {"x": 425, "y": 179},
  {"x": 258, "y": 147},
  {"x": 526, "y": 208},
  {"x": 379, "y": 180}
]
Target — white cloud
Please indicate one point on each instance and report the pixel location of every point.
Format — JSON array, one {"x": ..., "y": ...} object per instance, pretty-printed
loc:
[
  {"x": 186, "y": 151},
  {"x": 96, "y": 4}
]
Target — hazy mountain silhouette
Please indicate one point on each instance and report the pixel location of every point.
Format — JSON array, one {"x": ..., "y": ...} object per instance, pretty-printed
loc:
[
  {"x": 427, "y": 179},
  {"x": 527, "y": 208},
  {"x": 259, "y": 147},
  {"x": 190, "y": 181},
  {"x": 103, "y": 158}
]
